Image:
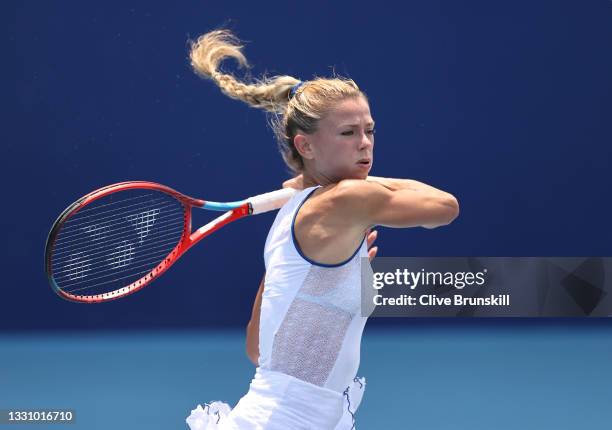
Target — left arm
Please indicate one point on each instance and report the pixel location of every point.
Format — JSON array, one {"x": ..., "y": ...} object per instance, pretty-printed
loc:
[{"x": 252, "y": 338}]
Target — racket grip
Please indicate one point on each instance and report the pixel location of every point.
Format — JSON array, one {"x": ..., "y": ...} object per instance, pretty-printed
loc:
[{"x": 271, "y": 201}]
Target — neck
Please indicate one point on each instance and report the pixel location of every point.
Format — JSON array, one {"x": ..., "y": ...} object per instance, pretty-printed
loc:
[{"x": 313, "y": 178}]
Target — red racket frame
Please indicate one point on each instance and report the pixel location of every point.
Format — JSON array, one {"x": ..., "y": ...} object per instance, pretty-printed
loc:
[{"x": 187, "y": 240}]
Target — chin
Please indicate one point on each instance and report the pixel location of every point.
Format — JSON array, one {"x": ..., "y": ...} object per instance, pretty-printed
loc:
[
  {"x": 353, "y": 174},
  {"x": 357, "y": 175}
]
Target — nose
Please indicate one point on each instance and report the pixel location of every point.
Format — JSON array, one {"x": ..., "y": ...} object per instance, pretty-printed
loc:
[{"x": 367, "y": 141}]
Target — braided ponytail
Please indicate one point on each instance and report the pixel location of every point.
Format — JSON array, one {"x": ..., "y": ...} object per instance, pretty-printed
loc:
[
  {"x": 294, "y": 108},
  {"x": 209, "y": 50}
]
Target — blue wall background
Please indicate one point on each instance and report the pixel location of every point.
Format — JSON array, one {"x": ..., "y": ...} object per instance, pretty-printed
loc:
[{"x": 507, "y": 105}]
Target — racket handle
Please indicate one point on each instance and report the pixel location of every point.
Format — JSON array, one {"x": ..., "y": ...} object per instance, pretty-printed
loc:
[{"x": 271, "y": 201}]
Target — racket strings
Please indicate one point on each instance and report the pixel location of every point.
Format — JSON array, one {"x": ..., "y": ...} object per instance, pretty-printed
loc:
[
  {"x": 151, "y": 197},
  {"x": 149, "y": 264},
  {"x": 87, "y": 270},
  {"x": 116, "y": 240},
  {"x": 115, "y": 280},
  {"x": 93, "y": 240},
  {"x": 81, "y": 222},
  {"x": 123, "y": 249},
  {"x": 116, "y": 246}
]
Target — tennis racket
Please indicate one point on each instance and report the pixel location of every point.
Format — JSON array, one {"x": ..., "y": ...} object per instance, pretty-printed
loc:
[{"x": 116, "y": 240}]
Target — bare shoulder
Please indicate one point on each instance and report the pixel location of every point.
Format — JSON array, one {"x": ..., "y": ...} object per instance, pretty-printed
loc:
[
  {"x": 351, "y": 200},
  {"x": 343, "y": 205},
  {"x": 326, "y": 229},
  {"x": 350, "y": 189},
  {"x": 356, "y": 195}
]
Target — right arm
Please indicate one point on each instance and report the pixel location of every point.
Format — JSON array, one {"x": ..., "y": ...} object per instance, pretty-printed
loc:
[{"x": 396, "y": 203}]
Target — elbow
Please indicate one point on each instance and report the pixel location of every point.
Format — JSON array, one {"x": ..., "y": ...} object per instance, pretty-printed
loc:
[
  {"x": 254, "y": 357},
  {"x": 452, "y": 208},
  {"x": 447, "y": 210}
]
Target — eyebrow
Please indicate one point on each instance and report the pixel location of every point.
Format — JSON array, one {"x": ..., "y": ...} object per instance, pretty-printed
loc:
[{"x": 357, "y": 125}]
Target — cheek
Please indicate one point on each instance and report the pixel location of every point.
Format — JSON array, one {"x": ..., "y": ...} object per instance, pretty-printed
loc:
[
  {"x": 338, "y": 155},
  {"x": 330, "y": 152}
]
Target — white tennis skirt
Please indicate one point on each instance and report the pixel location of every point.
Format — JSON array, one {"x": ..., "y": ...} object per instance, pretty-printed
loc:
[{"x": 276, "y": 401}]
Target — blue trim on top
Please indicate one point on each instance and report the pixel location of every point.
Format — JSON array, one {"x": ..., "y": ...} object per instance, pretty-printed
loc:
[{"x": 297, "y": 245}]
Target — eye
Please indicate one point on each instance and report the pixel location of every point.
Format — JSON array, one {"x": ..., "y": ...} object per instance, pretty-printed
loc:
[{"x": 350, "y": 132}]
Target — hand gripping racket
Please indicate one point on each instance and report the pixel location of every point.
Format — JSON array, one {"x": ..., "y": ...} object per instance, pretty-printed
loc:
[{"x": 116, "y": 240}]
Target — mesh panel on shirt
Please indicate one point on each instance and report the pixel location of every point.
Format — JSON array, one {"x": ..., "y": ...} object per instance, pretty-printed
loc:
[
  {"x": 334, "y": 286},
  {"x": 309, "y": 339}
]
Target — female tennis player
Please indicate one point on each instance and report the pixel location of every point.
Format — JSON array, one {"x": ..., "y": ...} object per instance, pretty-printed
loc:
[{"x": 305, "y": 332}]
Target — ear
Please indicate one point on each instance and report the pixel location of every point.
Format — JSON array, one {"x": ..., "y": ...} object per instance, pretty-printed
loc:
[{"x": 303, "y": 146}]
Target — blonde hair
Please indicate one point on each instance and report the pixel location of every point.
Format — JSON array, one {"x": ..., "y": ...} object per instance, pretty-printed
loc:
[{"x": 302, "y": 111}]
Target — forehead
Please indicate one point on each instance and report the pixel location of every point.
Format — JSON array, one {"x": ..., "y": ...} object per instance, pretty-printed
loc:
[{"x": 349, "y": 111}]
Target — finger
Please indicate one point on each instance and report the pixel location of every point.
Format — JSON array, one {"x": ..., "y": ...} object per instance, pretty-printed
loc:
[
  {"x": 371, "y": 237},
  {"x": 372, "y": 253}
]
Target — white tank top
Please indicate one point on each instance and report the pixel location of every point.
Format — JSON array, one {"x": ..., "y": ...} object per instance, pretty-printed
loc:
[{"x": 311, "y": 323}]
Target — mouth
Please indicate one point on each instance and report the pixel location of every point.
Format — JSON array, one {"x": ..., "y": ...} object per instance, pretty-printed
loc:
[{"x": 364, "y": 162}]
